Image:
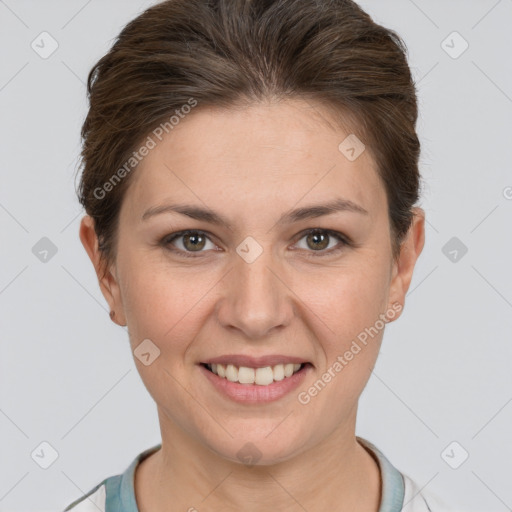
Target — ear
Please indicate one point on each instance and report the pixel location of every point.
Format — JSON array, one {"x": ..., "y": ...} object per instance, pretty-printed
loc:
[
  {"x": 403, "y": 268},
  {"x": 107, "y": 278}
]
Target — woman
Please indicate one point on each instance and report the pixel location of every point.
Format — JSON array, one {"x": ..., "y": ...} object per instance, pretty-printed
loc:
[{"x": 250, "y": 174}]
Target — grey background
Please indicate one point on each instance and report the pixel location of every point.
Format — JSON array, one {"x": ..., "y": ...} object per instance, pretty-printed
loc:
[{"x": 66, "y": 374}]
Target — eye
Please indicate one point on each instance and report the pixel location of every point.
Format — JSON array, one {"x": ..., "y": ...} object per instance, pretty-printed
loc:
[
  {"x": 193, "y": 241},
  {"x": 186, "y": 243},
  {"x": 318, "y": 240}
]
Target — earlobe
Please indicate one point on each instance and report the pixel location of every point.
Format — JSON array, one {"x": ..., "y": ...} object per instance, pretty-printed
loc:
[
  {"x": 410, "y": 251},
  {"x": 106, "y": 278}
]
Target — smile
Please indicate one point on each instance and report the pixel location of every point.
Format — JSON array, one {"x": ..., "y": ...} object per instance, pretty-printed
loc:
[{"x": 262, "y": 376}]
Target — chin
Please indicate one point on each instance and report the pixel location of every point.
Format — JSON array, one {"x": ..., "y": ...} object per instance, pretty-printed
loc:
[{"x": 258, "y": 450}]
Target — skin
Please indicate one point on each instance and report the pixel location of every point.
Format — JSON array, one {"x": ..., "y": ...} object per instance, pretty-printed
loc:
[{"x": 252, "y": 165}]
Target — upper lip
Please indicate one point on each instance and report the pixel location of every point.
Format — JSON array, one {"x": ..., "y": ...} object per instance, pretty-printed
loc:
[{"x": 254, "y": 362}]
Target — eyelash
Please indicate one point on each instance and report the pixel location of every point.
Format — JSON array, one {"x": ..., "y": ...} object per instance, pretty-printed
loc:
[{"x": 344, "y": 241}]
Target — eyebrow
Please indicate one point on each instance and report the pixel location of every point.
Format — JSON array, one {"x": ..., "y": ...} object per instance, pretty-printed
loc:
[{"x": 307, "y": 212}]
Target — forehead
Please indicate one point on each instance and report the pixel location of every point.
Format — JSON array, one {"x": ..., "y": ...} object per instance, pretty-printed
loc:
[{"x": 258, "y": 157}]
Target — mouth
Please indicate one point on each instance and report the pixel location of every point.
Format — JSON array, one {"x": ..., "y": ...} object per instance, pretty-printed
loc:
[{"x": 258, "y": 376}]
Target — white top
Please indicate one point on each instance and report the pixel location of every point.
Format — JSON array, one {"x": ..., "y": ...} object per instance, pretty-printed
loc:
[{"x": 399, "y": 492}]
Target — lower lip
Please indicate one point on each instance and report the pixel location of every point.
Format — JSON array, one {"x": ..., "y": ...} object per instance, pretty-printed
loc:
[{"x": 254, "y": 393}]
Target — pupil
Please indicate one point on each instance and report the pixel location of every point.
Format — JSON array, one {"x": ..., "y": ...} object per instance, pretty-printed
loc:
[
  {"x": 323, "y": 241},
  {"x": 195, "y": 243}
]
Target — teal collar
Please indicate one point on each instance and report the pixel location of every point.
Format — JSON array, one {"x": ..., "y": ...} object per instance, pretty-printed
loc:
[{"x": 392, "y": 482}]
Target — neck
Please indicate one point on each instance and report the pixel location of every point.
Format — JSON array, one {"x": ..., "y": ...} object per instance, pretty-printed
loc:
[{"x": 339, "y": 474}]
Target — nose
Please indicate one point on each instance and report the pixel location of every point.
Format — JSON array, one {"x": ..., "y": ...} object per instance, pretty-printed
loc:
[{"x": 255, "y": 298}]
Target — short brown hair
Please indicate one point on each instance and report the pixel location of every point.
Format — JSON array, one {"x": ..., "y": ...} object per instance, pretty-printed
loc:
[{"x": 227, "y": 52}]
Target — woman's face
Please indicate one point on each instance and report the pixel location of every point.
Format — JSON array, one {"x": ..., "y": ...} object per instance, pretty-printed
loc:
[{"x": 258, "y": 286}]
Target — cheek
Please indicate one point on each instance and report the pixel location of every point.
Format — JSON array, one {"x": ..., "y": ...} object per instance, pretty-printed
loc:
[
  {"x": 348, "y": 298},
  {"x": 351, "y": 343},
  {"x": 157, "y": 298},
  {"x": 349, "y": 304},
  {"x": 163, "y": 305}
]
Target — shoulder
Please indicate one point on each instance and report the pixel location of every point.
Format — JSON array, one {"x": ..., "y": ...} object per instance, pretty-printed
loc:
[
  {"x": 93, "y": 501},
  {"x": 113, "y": 493},
  {"x": 418, "y": 500}
]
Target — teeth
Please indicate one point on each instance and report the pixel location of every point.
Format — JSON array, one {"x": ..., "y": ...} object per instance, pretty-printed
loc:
[
  {"x": 220, "y": 370},
  {"x": 232, "y": 373},
  {"x": 259, "y": 376},
  {"x": 264, "y": 376},
  {"x": 246, "y": 375},
  {"x": 278, "y": 372}
]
